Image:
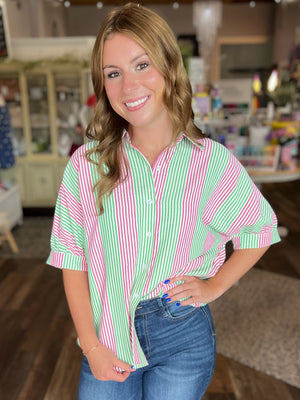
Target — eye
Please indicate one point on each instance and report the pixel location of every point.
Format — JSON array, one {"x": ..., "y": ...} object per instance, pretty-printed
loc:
[
  {"x": 112, "y": 75},
  {"x": 142, "y": 65}
]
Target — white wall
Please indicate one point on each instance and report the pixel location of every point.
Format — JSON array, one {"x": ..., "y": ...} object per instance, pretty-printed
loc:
[
  {"x": 51, "y": 19},
  {"x": 18, "y": 18},
  {"x": 287, "y": 22},
  {"x": 86, "y": 20},
  {"x": 241, "y": 20},
  {"x": 238, "y": 19},
  {"x": 36, "y": 18}
]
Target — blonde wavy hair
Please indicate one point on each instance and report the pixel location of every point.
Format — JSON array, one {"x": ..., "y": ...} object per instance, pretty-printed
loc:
[{"x": 152, "y": 33}]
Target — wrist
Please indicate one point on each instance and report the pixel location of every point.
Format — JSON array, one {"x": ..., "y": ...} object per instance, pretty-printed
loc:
[
  {"x": 89, "y": 350},
  {"x": 216, "y": 286},
  {"x": 87, "y": 342}
]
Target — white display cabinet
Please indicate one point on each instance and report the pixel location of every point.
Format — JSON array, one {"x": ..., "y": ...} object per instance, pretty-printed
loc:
[{"x": 44, "y": 99}]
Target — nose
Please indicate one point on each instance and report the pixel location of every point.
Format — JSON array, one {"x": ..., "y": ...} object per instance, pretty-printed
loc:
[{"x": 130, "y": 82}]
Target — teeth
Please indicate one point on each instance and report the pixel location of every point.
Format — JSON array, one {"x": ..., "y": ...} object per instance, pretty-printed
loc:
[{"x": 137, "y": 103}]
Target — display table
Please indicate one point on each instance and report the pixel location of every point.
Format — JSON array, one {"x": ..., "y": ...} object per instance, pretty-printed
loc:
[{"x": 260, "y": 177}]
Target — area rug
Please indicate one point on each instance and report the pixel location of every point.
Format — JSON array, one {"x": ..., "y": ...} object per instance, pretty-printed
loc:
[
  {"x": 257, "y": 323},
  {"x": 32, "y": 238}
]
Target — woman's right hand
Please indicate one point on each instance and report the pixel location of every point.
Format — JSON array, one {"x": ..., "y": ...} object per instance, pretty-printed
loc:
[
  {"x": 102, "y": 361},
  {"x": 104, "y": 365}
]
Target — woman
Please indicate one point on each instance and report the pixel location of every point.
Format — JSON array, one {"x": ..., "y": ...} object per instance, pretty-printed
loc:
[{"x": 142, "y": 218}]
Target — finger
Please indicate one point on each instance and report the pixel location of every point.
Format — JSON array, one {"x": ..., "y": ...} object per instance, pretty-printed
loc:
[
  {"x": 177, "y": 279},
  {"x": 118, "y": 376},
  {"x": 187, "y": 302},
  {"x": 183, "y": 290},
  {"x": 123, "y": 365}
]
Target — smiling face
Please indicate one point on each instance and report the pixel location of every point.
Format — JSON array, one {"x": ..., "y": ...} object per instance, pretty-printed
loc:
[{"x": 133, "y": 85}]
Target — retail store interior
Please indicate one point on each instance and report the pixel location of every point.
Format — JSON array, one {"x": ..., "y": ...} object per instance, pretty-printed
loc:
[{"x": 243, "y": 61}]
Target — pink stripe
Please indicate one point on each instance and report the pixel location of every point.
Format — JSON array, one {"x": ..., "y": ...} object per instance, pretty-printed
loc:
[
  {"x": 192, "y": 194},
  {"x": 69, "y": 201},
  {"x": 66, "y": 238},
  {"x": 127, "y": 234},
  {"x": 95, "y": 253},
  {"x": 56, "y": 259},
  {"x": 246, "y": 218},
  {"x": 224, "y": 187},
  {"x": 159, "y": 177}
]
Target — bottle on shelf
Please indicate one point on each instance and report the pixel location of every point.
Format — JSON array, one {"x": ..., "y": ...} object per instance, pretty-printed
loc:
[{"x": 216, "y": 102}]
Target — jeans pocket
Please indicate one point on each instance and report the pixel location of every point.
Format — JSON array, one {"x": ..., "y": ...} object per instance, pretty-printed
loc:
[{"x": 177, "y": 313}]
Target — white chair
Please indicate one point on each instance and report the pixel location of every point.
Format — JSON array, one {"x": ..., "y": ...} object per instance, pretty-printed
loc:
[{"x": 5, "y": 233}]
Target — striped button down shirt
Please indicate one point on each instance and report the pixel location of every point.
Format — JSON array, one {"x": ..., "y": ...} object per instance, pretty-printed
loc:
[{"x": 171, "y": 219}]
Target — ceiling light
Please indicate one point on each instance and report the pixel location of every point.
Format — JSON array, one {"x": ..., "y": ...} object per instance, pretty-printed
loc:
[
  {"x": 252, "y": 4},
  {"x": 175, "y": 5},
  {"x": 67, "y": 4},
  {"x": 99, "y": 5}
]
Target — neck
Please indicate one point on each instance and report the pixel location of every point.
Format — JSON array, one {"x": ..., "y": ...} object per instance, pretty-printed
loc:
[
  {"x": 152, "y": 136},
  {"x": 151, "y": 142}
]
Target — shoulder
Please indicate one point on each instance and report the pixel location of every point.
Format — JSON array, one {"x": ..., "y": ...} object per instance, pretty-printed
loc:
[
  {"x": 78, "y": 163},
  {"x": 81, "y": 151},
  {"x": 79, "y": 156},
  {"x": 211, "y": 148}
]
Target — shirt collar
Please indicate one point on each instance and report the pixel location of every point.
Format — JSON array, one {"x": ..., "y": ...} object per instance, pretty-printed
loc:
[
  {"x": 198, "y": 143},
  {"x": 180, "y": 137}
]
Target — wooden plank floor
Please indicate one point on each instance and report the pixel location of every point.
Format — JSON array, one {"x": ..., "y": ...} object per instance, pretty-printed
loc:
[{"x": 39, "y": 358}]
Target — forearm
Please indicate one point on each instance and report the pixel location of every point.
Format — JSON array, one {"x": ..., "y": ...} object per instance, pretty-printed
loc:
[
  {"x": 196, "y": 290},
  {"x": 238, "y": 264},
  {"x": 78, "y": 297},
  {"x": 103, "y": 362}
]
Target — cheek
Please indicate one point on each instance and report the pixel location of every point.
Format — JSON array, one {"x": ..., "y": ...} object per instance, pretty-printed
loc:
[
  {"x": 111, "y": 92},
  {"x": 157, "y": 82}
]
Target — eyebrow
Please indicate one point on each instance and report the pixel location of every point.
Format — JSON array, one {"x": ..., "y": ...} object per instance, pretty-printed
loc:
[{"x": 131, "y": 62}]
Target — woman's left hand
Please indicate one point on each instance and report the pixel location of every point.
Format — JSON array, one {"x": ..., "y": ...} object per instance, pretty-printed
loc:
[{"x": 194, "y": 289}]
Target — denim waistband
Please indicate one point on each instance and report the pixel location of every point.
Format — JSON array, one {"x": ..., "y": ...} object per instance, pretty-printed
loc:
[{"x": 151, "y": 305}]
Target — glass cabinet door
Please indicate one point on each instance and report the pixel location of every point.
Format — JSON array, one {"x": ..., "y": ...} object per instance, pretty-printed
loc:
[
  {"x": 39, "y": 113},
  {"x": 68, "y": 108},
  {"x": 10, "y": 91}
]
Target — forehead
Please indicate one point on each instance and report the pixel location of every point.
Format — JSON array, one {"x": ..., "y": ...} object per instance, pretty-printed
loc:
[{"x": 121, "y": 46}]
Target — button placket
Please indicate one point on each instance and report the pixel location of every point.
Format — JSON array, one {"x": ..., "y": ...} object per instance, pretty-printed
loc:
[{"x": 147, "y": 200}]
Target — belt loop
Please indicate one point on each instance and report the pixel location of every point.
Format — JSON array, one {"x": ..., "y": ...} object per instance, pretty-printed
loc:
[{"x": 163, "y": 305}]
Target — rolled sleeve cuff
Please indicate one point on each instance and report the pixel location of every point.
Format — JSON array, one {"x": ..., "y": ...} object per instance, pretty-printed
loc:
[
  {"x": 256, "y": 240},
  {"x": 67, "y": 261}
]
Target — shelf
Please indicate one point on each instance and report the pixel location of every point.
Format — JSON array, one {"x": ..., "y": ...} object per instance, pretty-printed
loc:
[{"x": 44, "y": 103}]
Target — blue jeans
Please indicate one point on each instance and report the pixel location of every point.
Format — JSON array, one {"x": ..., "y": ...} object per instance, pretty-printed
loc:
[{"x": 179, "y": 344}]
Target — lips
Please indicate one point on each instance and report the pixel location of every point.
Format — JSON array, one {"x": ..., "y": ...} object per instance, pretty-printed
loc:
[{"x": 136, "y": 104}]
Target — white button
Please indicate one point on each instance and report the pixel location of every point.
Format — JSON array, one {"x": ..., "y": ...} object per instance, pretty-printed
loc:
[
  {"x": 158, "y": 168},
  {"x": 136, "y": 295},
  {"x": 148, "y": 234},
  {"x": 145, "y": 266},
  {"x": 149, "y": 201}
]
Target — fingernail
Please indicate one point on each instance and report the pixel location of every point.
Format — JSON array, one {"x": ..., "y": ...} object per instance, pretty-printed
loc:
[
  {"x": 168, "y": 300},
  {"x": 167, "y": 281},
  {"x": 178, "y": 304},
  {"x": 165, "y": 295}
]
